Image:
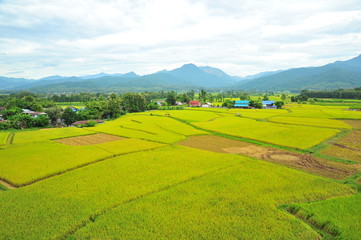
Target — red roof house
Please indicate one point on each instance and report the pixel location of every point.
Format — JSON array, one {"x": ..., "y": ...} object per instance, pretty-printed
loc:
[{"x": 195, "y": 103}]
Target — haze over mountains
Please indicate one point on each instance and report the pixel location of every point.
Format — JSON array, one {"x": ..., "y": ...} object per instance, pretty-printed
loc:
[{"x": 341, "y": 74}]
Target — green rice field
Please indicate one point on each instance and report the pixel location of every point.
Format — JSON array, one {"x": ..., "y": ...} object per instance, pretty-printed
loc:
[{"x": 198, "y": 173}]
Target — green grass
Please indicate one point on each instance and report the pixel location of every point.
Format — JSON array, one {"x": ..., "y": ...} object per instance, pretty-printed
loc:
[
  {"x": 339, "y": 217},
  {"x": 235, "y": 203},
  {"x": 47, "y": 134},
  {"x": 27, "y": 163},
  {"x": 317, "y": 122},
  {"x": 55, "y": 207},
  {"x": 300, "y": 137}
]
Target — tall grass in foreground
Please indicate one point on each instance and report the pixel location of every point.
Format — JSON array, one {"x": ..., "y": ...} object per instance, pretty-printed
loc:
[{"x": 340, "y": 217}]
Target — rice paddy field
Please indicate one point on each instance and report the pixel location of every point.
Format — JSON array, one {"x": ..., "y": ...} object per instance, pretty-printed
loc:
[{"x": 198, "y": 173}]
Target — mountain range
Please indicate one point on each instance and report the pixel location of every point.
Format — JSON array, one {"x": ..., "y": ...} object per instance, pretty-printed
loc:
[{"x": 341, "y": 74}]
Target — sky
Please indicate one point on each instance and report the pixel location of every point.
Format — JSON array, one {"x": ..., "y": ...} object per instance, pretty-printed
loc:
[{"x": 242, "y": 37}]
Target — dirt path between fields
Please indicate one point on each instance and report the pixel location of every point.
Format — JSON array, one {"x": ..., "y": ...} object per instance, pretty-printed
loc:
[{"x": 7, "y": 185}]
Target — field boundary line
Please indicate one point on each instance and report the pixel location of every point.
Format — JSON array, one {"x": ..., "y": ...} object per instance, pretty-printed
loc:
[
  {"x": 7, "y": 184},
  {"x": 77, "y": 167},
  {"x": 93, "y": 218}
]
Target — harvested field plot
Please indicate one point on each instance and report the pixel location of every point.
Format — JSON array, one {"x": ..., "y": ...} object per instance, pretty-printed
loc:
[
  {"x": 354, "y": 123},
  {"x": 300, "y": 137},
  {"x": 299, "y": 161},
  {"x": 340, "y": 217},
  {"x": 48, "y": 134},
  {"x": 342, "y": 152},
  {"x": 352, "y": 140},
  {"x": 235, "y": 203},
  {"x": 349, "y": 147},
  {"x": 89, "y": 139}
]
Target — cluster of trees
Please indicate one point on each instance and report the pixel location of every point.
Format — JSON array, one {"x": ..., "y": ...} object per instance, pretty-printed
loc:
[
  {"x": 16, "y": 119},
  {"x": 340, "y": 93},
  {"x": 96, "y": 107}
]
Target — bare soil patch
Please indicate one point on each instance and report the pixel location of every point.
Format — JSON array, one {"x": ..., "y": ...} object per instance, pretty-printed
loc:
[
  {"x": 354, "y": 123},
  {"x": 89, "y": 139},
  {"x": 305, "y": 162}
]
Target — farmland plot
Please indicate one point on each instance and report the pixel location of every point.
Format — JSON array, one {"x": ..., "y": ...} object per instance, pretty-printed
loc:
[
  {"x": 235, "y": 203},
  {"x": 349, "y": 147},
  {"x": 317, "y": 122},
  {"x": 3, "y": 137},
  {"x": 48, "y": 134},
  {"x": 160, "y": 129},
  {"x": 91, "y": 139},
  {"x": 24, "y": 164},
  {"x": 190, "y": 115},
  {"x": 300, "y": 137},
  {"x": 304, "y": 162},
  {"x": 64, "y": 203}
]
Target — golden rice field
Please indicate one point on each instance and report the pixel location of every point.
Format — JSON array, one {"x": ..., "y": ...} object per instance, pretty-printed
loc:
[
  {"x": 3, "y": 136},
  {"x": 316, "y": 122},
  {"x": 187, "y": 174},
  {"x": 300, "y": 137}
]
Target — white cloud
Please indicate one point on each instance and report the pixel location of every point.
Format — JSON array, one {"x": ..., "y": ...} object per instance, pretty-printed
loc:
[{"x": 40, "y": 38}]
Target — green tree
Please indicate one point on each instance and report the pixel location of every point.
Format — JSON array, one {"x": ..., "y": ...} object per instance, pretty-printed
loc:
[
  {"x": 41, "y": 121},
  {"x": 279, "y": 104},
  {"x": 7, "y": 113},
  {"x": 69, "y": 116},
  {"x": 203, "y": 95},
  {"x": 283, "y": 97},
  {"x": 21, "y": 121},
  {"x": 171, "y": 98},
  {"x": 133, "y": 102},
  {"x": 243, "y": 96},
  {"x": 113, "y": 106},
  {"x": 54, "y": 113}
]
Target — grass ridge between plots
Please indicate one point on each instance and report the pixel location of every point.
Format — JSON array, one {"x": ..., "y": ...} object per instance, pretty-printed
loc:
[{"x": 93, "y": 218}]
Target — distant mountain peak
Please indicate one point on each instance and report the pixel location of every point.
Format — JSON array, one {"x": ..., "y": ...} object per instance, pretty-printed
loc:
[{"x": 189, "y": 66}]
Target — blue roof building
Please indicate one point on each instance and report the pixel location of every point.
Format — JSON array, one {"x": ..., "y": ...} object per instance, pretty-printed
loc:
[
  {"x": 268, "y": 104},
  {"x": 241, "y": 104}
]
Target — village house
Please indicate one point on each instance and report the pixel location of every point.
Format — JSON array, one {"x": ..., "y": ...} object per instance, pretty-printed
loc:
[
  {"x": 206, "y": 105},
  {"x": 160, "y": 103},
  {"x": 241, "y": 104},
  {"x": 269, "y": 104},
  {"x": 32, "y": 113},
  {"x": 195, "y": 103}
]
